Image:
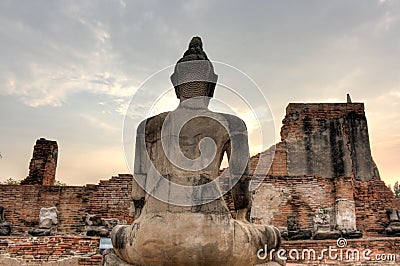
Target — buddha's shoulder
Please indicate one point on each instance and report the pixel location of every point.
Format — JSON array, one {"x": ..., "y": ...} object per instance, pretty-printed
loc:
[
  {"x": 235, "y": 123},
  {"x": 153, "y": 122}
]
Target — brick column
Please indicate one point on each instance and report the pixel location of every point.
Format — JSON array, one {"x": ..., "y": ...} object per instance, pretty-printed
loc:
[
  {"x": 42, "y": 168},
  {"x": 345, "y": 209}
]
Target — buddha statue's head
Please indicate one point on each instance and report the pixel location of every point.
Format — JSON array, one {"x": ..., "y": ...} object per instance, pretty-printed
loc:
[{"x": 194, "y": 74}]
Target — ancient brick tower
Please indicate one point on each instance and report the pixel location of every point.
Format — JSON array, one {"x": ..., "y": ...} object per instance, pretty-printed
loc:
[
  {"x": 329, "y": 140},
  {"x": 42, "y": 168}
]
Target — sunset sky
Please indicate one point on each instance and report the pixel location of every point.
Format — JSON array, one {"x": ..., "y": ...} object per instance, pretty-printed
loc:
[{"x": 69, "y": 69}]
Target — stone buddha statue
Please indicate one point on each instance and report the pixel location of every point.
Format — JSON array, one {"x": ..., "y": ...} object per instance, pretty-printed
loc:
[{"x": 181, "y": 217}]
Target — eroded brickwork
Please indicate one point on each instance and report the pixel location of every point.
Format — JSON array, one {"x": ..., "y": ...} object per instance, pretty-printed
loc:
[
  {"x": 308, "y": 118},
  {"x": 279, "y": 197},
  {"x": 108, "y": 199},
  {"x": 328, "y": 139},
  {"x": 79, "y": 250},
  {"x": 323, "y": 161},
  {"x": 396, "y": 203},
  {"x": 276, "y": 154},
  {"x": 321, "y": 143},
  {"x": 372, "y": 198},
  {"x": 42, "y": 168}
]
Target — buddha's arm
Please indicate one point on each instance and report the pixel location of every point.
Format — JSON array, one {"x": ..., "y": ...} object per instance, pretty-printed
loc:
[
  {"x": 242, "y": 198},
  {"x": 238, "y": 155},
  {"x": 140, "y": 171}
]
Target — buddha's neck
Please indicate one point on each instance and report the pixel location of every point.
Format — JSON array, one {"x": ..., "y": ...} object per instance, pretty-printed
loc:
[{"x": 194, "y": 103}]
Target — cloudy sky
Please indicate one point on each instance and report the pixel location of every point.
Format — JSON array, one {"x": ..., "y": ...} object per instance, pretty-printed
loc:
[{"x": 68, "y": 69}]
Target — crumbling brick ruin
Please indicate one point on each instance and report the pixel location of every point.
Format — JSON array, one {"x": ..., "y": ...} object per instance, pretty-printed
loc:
[
  {"x": 322, "y": 164},
  {"x": 42, "y": 169},
  {"x": 109, "y": 199}
]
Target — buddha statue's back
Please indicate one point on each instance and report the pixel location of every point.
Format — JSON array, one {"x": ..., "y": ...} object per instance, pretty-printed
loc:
[{"x": 181, "y": 216}]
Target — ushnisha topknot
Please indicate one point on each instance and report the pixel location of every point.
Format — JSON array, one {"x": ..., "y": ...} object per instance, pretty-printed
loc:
[
  {"x": 196, "y": 48},
  {"x": 194, "y": 67}
]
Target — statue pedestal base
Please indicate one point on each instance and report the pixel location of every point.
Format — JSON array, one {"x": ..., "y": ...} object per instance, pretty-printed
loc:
[
  {"x": 110, "y": 259},
  {"x": 321, "y": 235},
  {"x": 40, "y": 232},
  {"x": 297, "y": 235}
]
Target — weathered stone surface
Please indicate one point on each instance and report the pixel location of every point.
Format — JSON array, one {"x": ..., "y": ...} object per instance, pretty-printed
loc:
[
  {"x": 352, "y": 200},
  {"x": 393, "y": 215},
  {"x": 292, "y": 224},
  {"x": 46, "y": 223},
  {"x": 40, "y": 232},
  {"x": 184, "y": 219},
  {"x": 300, "y": 234},
  {"x": 23, "y": 203},
  {"x": 191, "y": 239},
  {"x": 294, "y": 232},
  {"x": 393, "y": 228},
  {"x": 48, "y": 217},
  {"x": 111, "y": 259},
  {"x": 328, "y": 140},
  {"x": 351, "y": 234},
  {"x": 321, "y": 235},
  {"x": 345, "y": 209},
  {"x": 297, "y": 235},
  {"x": 1, "y": 214},
  {"x": 42, "y": 169},
  {"x": 298, "y": 195},
  {"x": 267, "y": 200},
  {"x": 324, "y": 225},
  {"x": 272, "y": 263},
  {"x": 345, "y": 214},
  {"x": 110, "y": 223},
  {"x": 5, "y": 229},
  {"x": 101, "y": 231},
  {"x": 50, "y": 250},
  {"x": 92, "y": 219},
  {"x": 97, "y": 226}
]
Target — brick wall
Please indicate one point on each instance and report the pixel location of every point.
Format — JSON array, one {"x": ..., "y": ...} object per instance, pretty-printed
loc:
[
  {"x": 276, "y": 154},
  {"x": 323, "y": 161},
  {"x": 78, "y": 250},
  {"x": 316, "y": 114},
  {"x": 108, "y": 199},
  {"x": 396, "y": 204},
  {"x": 328, "y": 139},
  {"x": 372, "y": 198},
  {"x": 278, "y": 197},
  {"x": 42, "y": 168},
  {"x": 39, "y": 250},
  {"x": 321, "y": 139}
]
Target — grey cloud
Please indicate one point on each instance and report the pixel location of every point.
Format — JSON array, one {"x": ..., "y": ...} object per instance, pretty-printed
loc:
[{"x": 74, "y": 54}]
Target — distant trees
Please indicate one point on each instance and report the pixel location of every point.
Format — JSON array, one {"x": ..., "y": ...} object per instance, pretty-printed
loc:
[
  {"x": 396, "y": 189},
  {"x": 59, "y": 183},
  {"x": 11, "y": 181}
]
